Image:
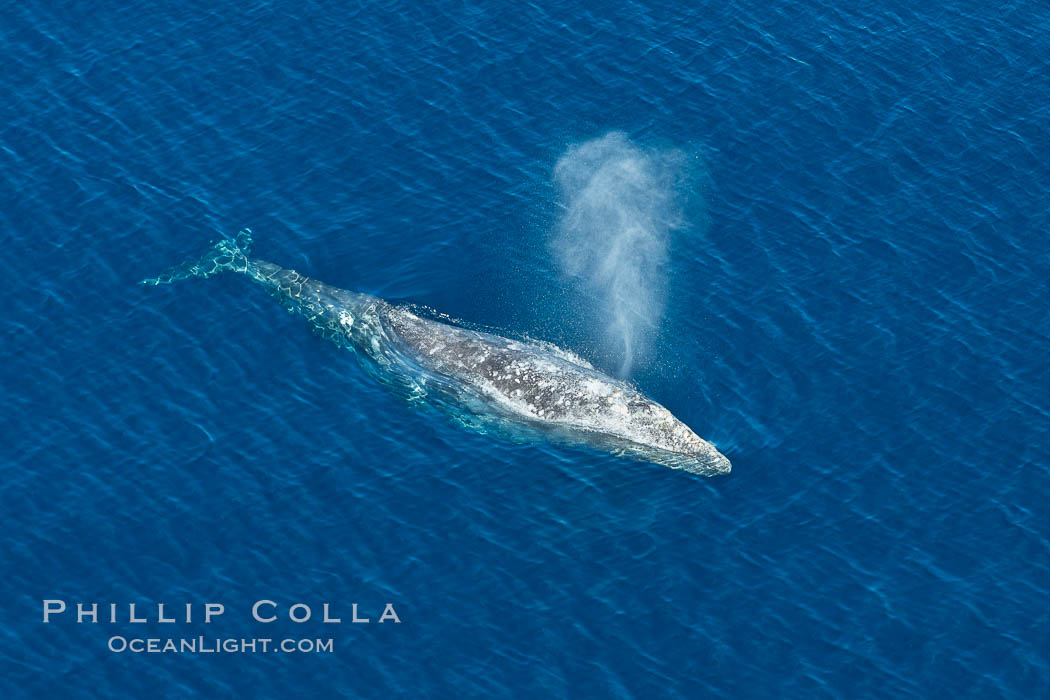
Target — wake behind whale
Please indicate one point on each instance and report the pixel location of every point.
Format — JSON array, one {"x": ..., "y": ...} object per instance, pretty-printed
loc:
[{"x": 486, "y": 382}]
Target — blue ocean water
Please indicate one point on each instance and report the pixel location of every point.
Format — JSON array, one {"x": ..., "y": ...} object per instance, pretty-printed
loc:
[{"x": 856, "y": 315}]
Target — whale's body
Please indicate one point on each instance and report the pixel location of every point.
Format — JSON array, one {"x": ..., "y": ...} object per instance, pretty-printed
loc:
[{"x": 486, "y": 381}]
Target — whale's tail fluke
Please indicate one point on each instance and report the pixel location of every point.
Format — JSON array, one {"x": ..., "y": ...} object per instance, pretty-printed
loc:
[{"x": 224, "y": 255}]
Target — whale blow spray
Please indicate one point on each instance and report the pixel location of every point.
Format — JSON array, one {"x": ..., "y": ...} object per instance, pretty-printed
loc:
[{"x": 621, "y": 204}]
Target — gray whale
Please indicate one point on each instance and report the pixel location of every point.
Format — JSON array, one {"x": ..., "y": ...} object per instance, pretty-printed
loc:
[{"x": 520, "y": 388}]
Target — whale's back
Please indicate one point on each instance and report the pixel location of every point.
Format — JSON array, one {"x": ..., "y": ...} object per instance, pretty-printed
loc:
[{"x": 547, "y": 388}]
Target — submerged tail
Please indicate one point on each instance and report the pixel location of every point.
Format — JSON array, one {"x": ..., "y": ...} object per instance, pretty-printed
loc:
[{"x": 224, "y": 255}]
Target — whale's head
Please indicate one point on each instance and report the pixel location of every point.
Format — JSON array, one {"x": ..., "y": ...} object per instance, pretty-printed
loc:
[
  {"x": 661, "y": 438},
  {"x": 706, "y": 460}
]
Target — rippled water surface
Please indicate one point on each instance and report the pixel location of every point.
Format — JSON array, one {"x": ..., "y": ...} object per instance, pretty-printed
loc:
[{"x": 853, "y": 306}]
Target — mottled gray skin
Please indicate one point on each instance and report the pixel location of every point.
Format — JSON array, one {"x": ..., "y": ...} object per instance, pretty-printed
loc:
[{"x": 533, "y": 383}]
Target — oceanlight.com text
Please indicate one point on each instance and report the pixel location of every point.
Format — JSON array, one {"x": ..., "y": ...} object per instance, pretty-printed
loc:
[{"x": 218, "y": 645}]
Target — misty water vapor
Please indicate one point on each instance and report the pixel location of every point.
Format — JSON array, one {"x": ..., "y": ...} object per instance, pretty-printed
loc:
[{"x": 621, "y": 203}]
